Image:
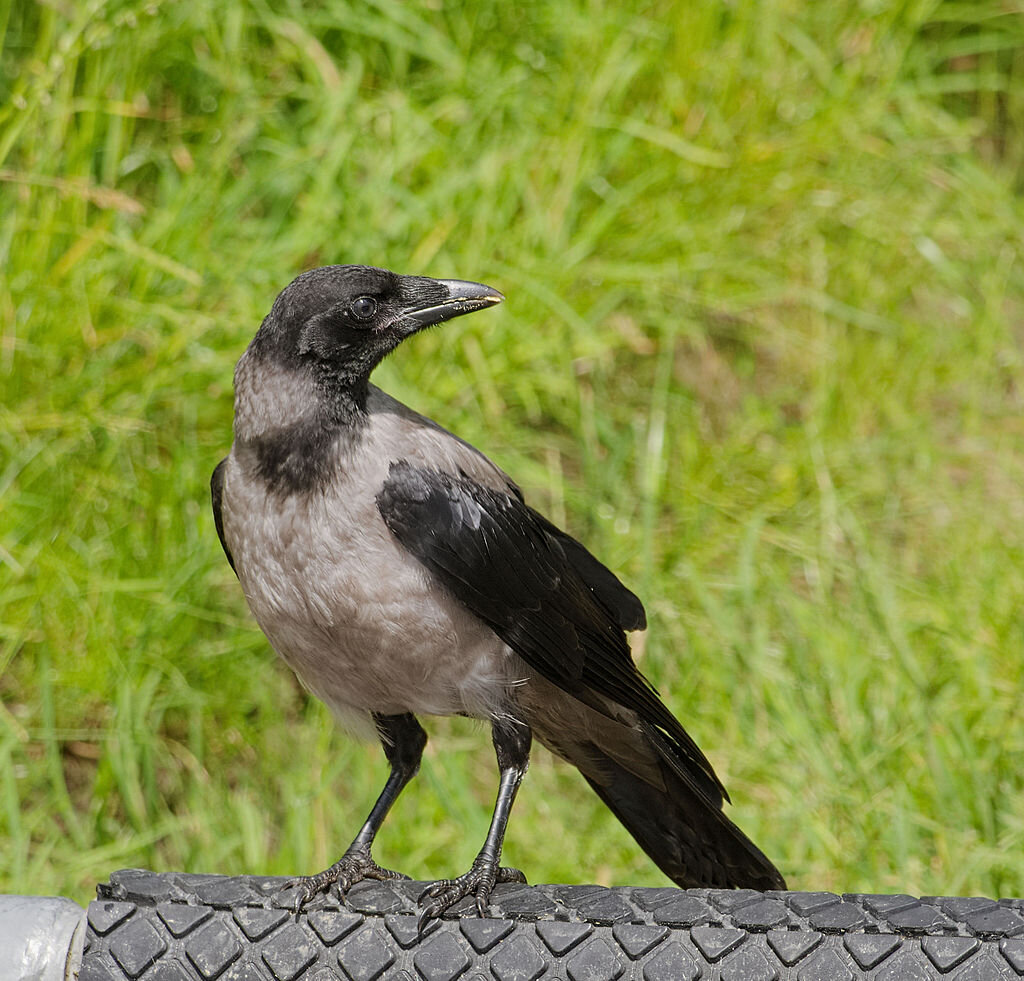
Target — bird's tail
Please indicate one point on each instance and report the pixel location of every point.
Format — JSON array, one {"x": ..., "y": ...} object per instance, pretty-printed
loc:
[{"x": 664, "y": 803}]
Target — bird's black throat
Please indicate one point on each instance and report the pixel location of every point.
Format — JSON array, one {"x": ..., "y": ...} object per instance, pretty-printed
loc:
[{"x": 302, "y": 457}]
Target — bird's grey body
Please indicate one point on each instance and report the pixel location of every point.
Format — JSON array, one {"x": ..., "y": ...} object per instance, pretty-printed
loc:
[
  {"x": 399, "y": 572},
  {"x": 355, "y": 616}
]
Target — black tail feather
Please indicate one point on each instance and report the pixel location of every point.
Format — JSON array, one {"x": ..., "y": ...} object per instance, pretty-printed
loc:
[{"x": 685, "y": 833}]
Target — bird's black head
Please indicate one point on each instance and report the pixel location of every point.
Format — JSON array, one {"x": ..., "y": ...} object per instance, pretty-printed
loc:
[{"x": 341, "y": 321}]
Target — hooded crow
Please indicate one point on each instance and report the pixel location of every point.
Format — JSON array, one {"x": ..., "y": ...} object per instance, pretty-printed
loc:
[{"x": 399, "y": 573}]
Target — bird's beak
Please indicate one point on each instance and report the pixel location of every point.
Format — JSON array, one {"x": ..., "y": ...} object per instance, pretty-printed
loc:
[{"x": 454, "y": 298}]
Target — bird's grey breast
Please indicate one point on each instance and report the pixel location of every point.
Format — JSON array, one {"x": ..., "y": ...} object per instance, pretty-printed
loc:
[{"x": 362, "y": 623}]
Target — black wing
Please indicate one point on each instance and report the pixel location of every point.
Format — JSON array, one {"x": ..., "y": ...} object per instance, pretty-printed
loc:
[
  {"x": 535, "y": 587},
  {"x": 217, "y": 493},
  {"x": 622, "y": 604}
]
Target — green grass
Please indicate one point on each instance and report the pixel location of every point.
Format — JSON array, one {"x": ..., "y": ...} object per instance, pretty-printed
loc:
[{"x": 762, "y": 351}]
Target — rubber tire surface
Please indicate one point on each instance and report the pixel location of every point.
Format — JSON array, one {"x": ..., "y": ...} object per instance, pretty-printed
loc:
[{"x": 175, "y": 927}]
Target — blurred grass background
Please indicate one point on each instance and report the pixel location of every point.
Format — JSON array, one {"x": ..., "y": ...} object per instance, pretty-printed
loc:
[{"x": 762, "y": 351}]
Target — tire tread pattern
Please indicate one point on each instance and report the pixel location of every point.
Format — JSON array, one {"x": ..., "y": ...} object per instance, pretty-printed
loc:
[{"x": 147, "y": 926}]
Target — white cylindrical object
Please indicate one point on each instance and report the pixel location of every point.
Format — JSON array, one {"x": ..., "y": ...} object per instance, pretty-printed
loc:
[{"x": 41, "y": 938}]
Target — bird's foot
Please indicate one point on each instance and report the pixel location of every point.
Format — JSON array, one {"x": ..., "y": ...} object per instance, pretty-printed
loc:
[
  {"x": 354, "y": 866},
  {"x": 479, "y": 881}
]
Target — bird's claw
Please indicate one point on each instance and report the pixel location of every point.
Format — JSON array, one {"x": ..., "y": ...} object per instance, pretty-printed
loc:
[
  {"x": 479, "y": 882},
  {"x": 354, "y": 866}
]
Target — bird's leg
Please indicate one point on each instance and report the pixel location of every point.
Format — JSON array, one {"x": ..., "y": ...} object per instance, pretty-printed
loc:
[
  {"x": 512, "y": 746},
  {"x": 403, "y": 739}
]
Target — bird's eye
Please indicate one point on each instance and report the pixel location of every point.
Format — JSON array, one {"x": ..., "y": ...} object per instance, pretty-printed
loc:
[{"x": 364, "y": 307}]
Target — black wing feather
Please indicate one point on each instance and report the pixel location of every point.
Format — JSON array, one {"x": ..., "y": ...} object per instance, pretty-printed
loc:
[
  {"x": 217, "y": 494},
  {"x": 538, "y": 589},
  {"x": 622, "y": 604}
]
